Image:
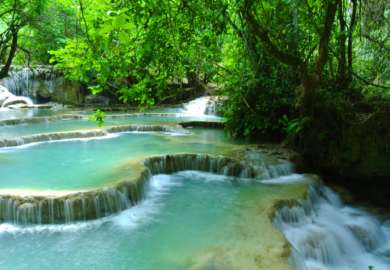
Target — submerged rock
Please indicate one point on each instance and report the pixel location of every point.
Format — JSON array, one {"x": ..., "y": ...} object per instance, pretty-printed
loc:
[{"x": 97, "y": 100}]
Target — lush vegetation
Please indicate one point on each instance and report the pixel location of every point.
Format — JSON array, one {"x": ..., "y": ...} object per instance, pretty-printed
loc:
[{"x": 280, "y": 62}]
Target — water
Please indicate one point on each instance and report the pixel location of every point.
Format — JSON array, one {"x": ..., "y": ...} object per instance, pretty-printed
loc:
[
  {"x": 87, "y": 163},
  {"x": 189, "y": 220},
  {"x": 27, "y": 81},
  {"x": 20, "y": 82},
  {"x": 200, "y": 106},
  {"x": 6, "y": 114},
  {"x": 12, "y": 131},
  {"x": 328, "y": 235}
]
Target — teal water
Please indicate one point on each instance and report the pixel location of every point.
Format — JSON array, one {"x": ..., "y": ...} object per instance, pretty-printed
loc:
[
  {"x": 25, "y": 113},
  {"x": 89, "y": 163},
  {"x": 79, "y": 124},
  {"x": 183, "y": 218}
]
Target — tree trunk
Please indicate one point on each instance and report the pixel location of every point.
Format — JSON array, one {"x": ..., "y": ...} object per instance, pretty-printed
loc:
[
  {"x": 341, "y": 71},
  {"x": 350, "y": 40},
  {"x": 11, "y": 54},
  {"x": 310, "y": 77}
]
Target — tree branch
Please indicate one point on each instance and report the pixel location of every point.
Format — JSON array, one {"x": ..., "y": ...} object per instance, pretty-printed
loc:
[
  {"x": 262, "y": 33},
  {"x": 325, "y": 36},
  {"x": 350, "y": 38},
  {"x": 11, "y": 54},
  {"x": 370, "y": 83}
]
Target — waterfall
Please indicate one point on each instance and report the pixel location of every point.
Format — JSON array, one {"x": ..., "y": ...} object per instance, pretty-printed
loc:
[
  {"x": 27, "y": 81},
  {"x": 7, "y": 99},
  {"x": 201, "y": 106},
  {"x": 73, "y": 207},
  {"x": 327, "y": 234},
  {"x": 19, "y": 82}
]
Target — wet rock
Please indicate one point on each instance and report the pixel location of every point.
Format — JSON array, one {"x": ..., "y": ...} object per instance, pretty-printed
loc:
[
  {"x": 4, "y": 94},
  {"x": 97, "y": 100},
  {"x": 43, "y": 84},
  {"x": 205, "y": 124}
]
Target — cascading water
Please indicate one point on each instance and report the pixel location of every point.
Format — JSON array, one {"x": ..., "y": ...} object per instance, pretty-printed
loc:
[
  {"x": 326, "y": 234},
  {"x": 201, "y": 106},
  {"x": 99, "y": 203},
  {"x": 27, "y": 81},
  {"x": 7, "y": 99},
  {"x": 323, "y": 232},
  {"x": 20, "y": 82}
]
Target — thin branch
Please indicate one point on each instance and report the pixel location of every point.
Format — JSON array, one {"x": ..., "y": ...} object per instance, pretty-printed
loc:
[
  {"x": 247, "y": 104},
  {"x": 370, "y": 83},
  {"x": 84, "y": 21},
  {"x": 28, "y": 53},
  {"x": 262, "y": 33},
  {"x": 380, "y": 43}
]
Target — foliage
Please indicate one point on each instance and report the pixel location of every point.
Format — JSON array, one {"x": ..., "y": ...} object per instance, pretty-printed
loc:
[
  {"x": 256, "y": 101},
  {"x": 138, "y": 48},
  {"x": 98, "y": 116},
  {"x": 293, "y": 127},
  {"x": 56, "y": 23},
  {"x": 14, "y": 16}
]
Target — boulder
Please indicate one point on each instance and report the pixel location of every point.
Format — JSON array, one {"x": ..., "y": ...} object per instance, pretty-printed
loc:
[
  {"x": 96, "y": 100},
  {"x": 4, "y": 95},
  {"x": 15, "y": 100}
]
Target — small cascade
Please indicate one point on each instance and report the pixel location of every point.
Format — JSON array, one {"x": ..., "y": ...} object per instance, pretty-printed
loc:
[
  {"x": 326, "y": 234},
  {"x": 201, "y": 106},
  {"x": 9, "y": 100},
  {"x": 20, "y": 82},
  {"x": 88, "y": 134},
  {"x": 202, "y": 162},
  {"x": 99, "y": 203},
  {"x": 26, "y": 81},
  {"x": 74, "y": 207}
]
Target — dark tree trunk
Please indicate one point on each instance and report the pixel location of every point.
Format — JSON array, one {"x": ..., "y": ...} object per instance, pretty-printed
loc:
[
  {"x": 14, "y": 45},
  {"x": 350, "y": 40},
  {"x": 310, "y": 79},
  {"x": 341, "y": 71}
]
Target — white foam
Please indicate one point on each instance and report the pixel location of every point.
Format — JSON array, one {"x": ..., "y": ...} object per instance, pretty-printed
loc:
[
  {"x": 286, "y": 179},
  {"x": 201, "y": 106},
  {"x": 28, "y": 145},
  {"x": 158, "y": 186},
  {"x": 326, "y": 234},
  {"x": 144, "y": 212}
]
